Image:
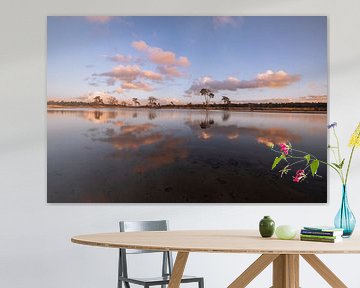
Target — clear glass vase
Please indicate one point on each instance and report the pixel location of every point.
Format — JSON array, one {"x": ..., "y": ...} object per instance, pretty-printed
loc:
[{"x": 345, "y": 219}]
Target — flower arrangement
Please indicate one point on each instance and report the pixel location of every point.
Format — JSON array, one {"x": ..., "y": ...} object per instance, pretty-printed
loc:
[
  {"x": 344, "y": 219},
  {"x": 310, "y": 163}
]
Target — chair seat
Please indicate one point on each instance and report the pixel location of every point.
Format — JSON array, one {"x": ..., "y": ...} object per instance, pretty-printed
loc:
[{"x": 158, "y": 280}]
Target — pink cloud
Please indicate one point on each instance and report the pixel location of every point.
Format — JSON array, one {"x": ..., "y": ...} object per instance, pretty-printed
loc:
[
  {"x": 233, "y": 21},
  {"x": 131, "y": 77},
  {"x": 119, "y": 90},
  {"x": 136, "y": 86},
  {"x": 183, "y": 61},
  {"x": 134, "y": 77},
  {"x": 130, "y": 73},
  {"x": 140, "y": 45},
  {"x": 98, "y": 19},
  {"x": 276, "y": 79},
  {"x": 170, "y": 71},
  {"x": 152, "y": 75},
  {"x": 123, "y": 73},
  {"x": 268, "y": 79},
  {"x": 120, "y": 58},
  {"x": 159, "y": 56}
]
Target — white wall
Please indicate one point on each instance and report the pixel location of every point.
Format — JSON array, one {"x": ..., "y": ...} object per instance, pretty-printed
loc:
[{"x": 35, "y": 248}]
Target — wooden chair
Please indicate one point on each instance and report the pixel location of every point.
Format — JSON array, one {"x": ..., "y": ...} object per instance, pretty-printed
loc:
[{"x": 167, "y": 262}]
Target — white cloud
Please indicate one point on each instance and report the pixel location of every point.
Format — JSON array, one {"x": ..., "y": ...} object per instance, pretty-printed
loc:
[
  {"x": 222, "y": 21},
  {"x": 98, "y": 19},
  {"x": 268, "y": 79},
  {"x": 159, "y": 56},
  {"x": 130, "y": 73}
]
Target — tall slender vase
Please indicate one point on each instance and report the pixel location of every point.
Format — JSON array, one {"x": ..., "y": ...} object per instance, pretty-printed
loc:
[{"x": 345, "y": 219}]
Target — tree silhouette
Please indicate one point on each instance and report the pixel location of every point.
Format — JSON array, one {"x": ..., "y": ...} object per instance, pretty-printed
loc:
[
  {"x": 112, "y": 101},
  {"x": 207, "y": 94},
  {"x": 123, "y": 103},
  {"x": 98, "y": 100},
  {"x": 136, "y": 101},
  {"x": 152, "y": 101},
  {"x": 226, "y": 100}
]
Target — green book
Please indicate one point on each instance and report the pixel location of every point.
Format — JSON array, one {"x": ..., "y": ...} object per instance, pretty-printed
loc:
[
  {"x": 324, "y": 240},
  {"x": 319, "y": 236}
]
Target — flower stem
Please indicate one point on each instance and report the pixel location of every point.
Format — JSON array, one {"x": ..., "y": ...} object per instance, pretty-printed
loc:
[
  {"x": 296, "y": 162},
  {"x": 338, "y": 145},
  {"x": 323, "y": 162},
  {"x": 348, "y": 167},
  {"x": 350, "y": 159},
  {"x": 339, "y": 162}
]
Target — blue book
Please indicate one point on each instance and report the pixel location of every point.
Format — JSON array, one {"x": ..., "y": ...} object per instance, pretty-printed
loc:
[{"x": 322, "y": 231}]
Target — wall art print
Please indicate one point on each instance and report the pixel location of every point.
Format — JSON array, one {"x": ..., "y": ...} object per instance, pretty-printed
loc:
[{"x": 184, "y": 109}]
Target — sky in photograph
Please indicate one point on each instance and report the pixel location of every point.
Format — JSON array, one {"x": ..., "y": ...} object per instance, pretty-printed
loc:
[{"x": 172, "y": 58}]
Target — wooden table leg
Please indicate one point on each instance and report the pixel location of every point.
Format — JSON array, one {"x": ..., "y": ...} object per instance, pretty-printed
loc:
[
  {"x": 293, "y": 262},
  {"x": 324, "y": 271},
  {"x": 178, "y": 269},
  {"x": 253, "y": 270},
  {"x": 286, "y": 271}
]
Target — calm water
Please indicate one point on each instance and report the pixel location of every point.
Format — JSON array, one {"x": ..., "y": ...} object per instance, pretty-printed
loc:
[{"x": 141, "y": 155}]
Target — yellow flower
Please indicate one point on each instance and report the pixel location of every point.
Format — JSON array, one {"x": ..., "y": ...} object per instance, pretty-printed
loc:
[{"x": 355, "y": 138}]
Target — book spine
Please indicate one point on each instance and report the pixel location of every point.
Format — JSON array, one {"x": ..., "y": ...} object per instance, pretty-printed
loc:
[
  {"x": 317, "y": 240},
  {"x": 320, "y": 233},
  {"x": 318, "y": 236}
]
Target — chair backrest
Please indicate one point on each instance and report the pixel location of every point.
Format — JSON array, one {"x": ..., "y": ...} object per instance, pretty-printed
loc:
[
  {"x": 133, "y": 226},
  {"x": 138, "y": 226}
]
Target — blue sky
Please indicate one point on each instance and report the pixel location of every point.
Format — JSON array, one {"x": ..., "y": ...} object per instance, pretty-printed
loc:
[{"x": 244, "y": 58}]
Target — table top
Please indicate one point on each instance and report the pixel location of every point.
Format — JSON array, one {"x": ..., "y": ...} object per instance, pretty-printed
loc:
[{"x": 217, "y": 241}]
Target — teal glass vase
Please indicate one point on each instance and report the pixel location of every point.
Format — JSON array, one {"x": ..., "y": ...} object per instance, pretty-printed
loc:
[{"x": 345, "y": 219}]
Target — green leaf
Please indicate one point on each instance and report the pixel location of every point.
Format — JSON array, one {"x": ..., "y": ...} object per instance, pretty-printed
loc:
[
  {"x": 342, "y": 163},
  {"x": 314, "y": 166},
  {"x": 336, "y": 165},
  {"x": 339, "y": 166},
  {"x": 307, "y": 157},
  {"x": 277, "y": 161}
]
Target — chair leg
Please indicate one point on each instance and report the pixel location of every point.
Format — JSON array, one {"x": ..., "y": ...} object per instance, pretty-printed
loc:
[{"x": 201, "y": 283}]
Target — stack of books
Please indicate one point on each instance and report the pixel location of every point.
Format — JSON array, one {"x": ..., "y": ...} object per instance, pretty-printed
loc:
[{"x": 321, "y": 234}]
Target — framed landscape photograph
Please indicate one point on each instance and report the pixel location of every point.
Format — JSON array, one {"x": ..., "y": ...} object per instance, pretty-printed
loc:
[{"x": 170, "y": 109}]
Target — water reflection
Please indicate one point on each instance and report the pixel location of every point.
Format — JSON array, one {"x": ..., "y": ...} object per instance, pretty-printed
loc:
[
  {"x": 226, "y": 116},
  {"x": 207, "y": 122},
  {"x": 131, "y": 136},
  {"x": 152, "y": 114},
  {"x": 177, "y": 155}
]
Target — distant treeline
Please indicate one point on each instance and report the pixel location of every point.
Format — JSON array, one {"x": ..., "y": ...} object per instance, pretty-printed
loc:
[
  {"x": 75, "y": 103},
  {"x": 243, "y": 106}
]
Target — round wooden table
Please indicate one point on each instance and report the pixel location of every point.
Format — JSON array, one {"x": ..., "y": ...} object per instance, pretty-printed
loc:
[{"x": 284, "y": 254}]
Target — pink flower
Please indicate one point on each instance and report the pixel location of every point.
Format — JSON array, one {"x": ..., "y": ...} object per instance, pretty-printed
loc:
[
  {"x": 284, "y": 148},
  {"x": 299, "y": 176}
]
